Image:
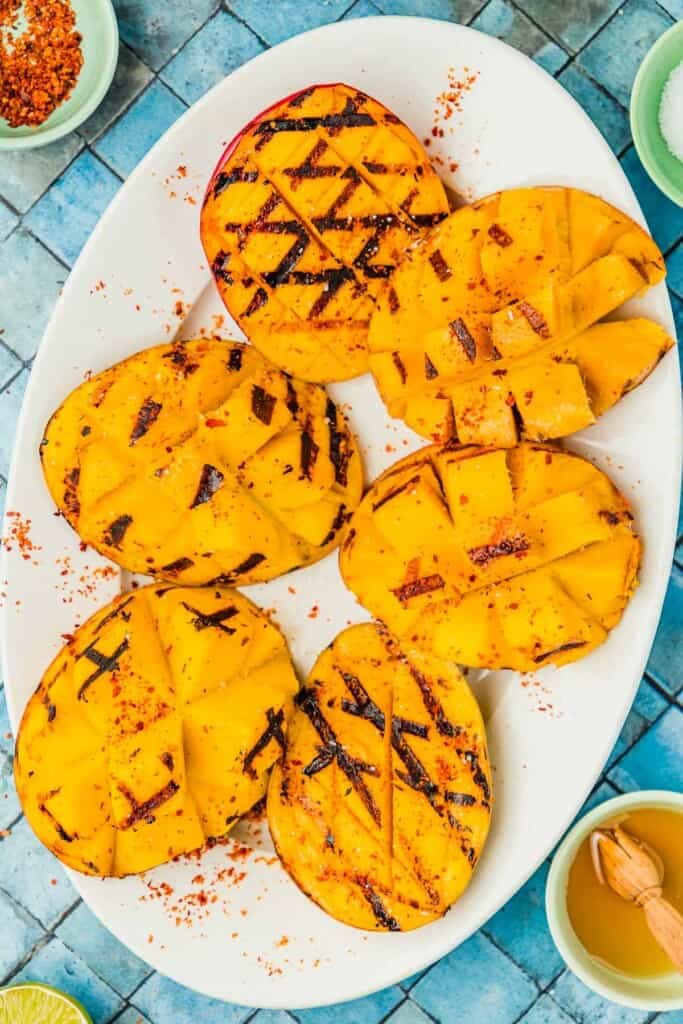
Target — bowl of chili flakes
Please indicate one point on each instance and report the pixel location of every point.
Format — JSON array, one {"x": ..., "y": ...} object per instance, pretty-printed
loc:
[{"x": 57, "y": 60}]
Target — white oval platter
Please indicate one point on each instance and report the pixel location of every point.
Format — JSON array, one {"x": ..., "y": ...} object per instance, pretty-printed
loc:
[{"x": 262, "y": 943}]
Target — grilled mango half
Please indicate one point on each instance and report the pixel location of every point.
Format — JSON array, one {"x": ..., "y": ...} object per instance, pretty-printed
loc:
[
  {"x": 488, "y": 332},
  {"x": 200, "y": 462},
  {"x": 492, "y": 557},
  {"x": 305, "y": 219},
  {"x": 154, "y": 729},
  {"x": 381, "y": 806}
]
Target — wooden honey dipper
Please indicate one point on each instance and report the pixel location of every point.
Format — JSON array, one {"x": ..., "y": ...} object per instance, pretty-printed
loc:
[{"x": 634, "y": 871}]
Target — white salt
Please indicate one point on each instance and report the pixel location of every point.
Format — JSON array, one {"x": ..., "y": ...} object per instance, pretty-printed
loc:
[{"x": 671, "y": 112}]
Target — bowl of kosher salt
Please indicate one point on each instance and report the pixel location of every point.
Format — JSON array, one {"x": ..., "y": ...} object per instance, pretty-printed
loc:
[{"x": 657, "y": 113}]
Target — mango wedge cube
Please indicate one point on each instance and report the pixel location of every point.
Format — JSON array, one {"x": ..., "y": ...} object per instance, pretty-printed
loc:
[
  {"x": 381, "y": 806},
  {"x": 489, "y": 332},
  {"x": 154, "y": 729},
  {"x": 200, "y": 462},
  {"x": 305, "y": 219},
  {"x": 515, "y": 558}
]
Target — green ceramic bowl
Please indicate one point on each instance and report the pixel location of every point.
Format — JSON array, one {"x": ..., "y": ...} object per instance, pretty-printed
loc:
[
  {"x": 96, "y": 21},
  {"x": 662, "y": 993},
  {"x": 662, "y": 166}
]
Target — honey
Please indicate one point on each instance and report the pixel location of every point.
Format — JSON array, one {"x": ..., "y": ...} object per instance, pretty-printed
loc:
[{"x": 611, "y": 929}]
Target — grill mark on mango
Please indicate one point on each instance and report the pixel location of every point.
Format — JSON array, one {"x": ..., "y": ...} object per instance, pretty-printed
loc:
[
  {"x": 332, "y": 750},
  {"x": 148, "y": 414},
  {"x": 469, "y": 346},
  {"x": 144, "y": 811},
  {"x": 116, "y": 531},
  {"x": 104, "y": 662},
  {"x": 211, "y": 620},
  {"x": 273, "y": 731}
]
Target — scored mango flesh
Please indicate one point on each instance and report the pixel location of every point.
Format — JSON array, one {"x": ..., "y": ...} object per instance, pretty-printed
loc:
[
  {"x": 305, "y": 219},
  {"x": 201, "y": 462},
  {"x": 488, "y": 334},
  {"x": 496, "y": 558},
  {"x": 381, "y": 806},
  {"x": 154, "y": 729}
]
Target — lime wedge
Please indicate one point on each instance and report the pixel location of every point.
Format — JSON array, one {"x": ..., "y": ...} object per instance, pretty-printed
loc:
[{"x": 39, "y": 1004}]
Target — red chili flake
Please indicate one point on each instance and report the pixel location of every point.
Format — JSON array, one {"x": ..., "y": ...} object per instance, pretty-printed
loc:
[
  {"x": 19, "y": 535},
  {"x": 313, "y": 614},
  {"x": 211, "y": 421}
]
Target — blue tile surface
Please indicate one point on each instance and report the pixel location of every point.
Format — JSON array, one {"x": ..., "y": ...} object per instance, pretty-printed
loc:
[
  {"x": 123, "y": 146},
  {"x": 362, "y": 9},
  {"x": 64, "y": 218},
  {"x": 131, "y": 77},
  {"x": 217, "y": 49},
  {"x": 55, "y": 965},
  {"x": 608, "y": 115},
  {"x": 586, "y": 1007},
  {"x": 479, "y": 983},
  {"x": 271, "y": 1017},
  {"x": 156, "y": 30},
  {"x": 132, "y": 1016},
  {"x": 664, "y": 218},
  {"x": 172, "y": 52},
  {"x": 10, "y": 404},
  {"x": 446, "y": 10},
  {"x": 675, "y": 269},
  {"x": 655, "y": 761},
  {"x": 520, "y": 930},
  {"x": 275, "y": 22},
  {"x": 162, "y": 1000},
  {"x": 499, "y": 18},
  {"x": 24, "y": 175},
  {"x": 84, "y": 935},
  {"x": 612, "y": 58},
  {"x": 32, "y": 876},
  {"x": 409, "y": 1013},
  {"x": 666, "y": 659},
  {"x": 30, "y": 281},
  {"x": 546, "y": 1011},
  {"x": 572, "y": 23},
  {"x": 8, "y": 220},
  {"x": 370, "y": 1010},
  {"x": 10, "y": 365},
  {"x": 20, "y": 933}
]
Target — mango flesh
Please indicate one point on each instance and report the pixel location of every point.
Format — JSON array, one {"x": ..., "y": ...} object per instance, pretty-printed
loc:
[
  {"x": 489, "y": 334},
  {"x": 154, "y": 729},
  {"x": 200, "y": 462},
  {"x": 494, "y": 558},
  {"x": 305, "y": 220},
  {"x": 381, "y": 806}
]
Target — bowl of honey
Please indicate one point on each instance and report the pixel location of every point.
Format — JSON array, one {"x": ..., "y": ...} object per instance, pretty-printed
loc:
[{"x": 604, "y": 937}]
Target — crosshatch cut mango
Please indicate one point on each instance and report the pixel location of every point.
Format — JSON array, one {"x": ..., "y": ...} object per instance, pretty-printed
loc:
[
  {"x": 154, "y": 729},
  {"x": 496, "y": 558},
  {"x": 381, "y": 806},
  {"x": 488, "y": 332},
  {"x": 200, "y": 462},
  {"x": 305, "y": 219}
]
